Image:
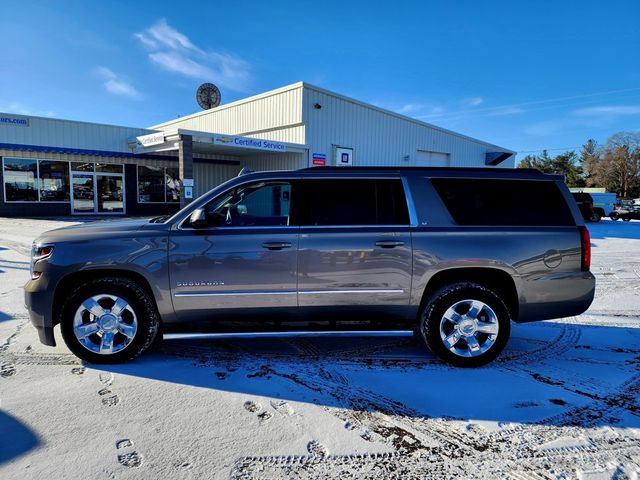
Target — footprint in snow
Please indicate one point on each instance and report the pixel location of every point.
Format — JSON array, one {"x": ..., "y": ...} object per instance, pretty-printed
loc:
[
  {"x": 282, "y": 407},
  {"x": 264, "y": 416},
  {"x": 128, "y": 459},
  {"x": 109, "y": 398},
  {"x": 252, "y": 406},
  {"x": 316, "y": 449},
  {"x": 7, "y": 370}
]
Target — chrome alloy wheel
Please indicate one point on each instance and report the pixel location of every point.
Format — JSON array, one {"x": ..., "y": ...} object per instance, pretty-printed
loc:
[
  {"x": 469, "y": 328},
  {"x": 105, "y": 324}
]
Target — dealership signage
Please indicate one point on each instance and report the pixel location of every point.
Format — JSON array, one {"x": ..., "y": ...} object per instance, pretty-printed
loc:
[
  {"x": 319, "y": 159},
  {"x": 14, "y": 120},
  {"x": 253, "y": 143},
  {"x": 344, "y": 156},
  {"x": 151, "y": 139}
]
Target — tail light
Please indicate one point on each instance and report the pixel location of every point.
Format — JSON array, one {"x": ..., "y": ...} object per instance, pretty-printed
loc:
[{"x": 585, "y": 241}]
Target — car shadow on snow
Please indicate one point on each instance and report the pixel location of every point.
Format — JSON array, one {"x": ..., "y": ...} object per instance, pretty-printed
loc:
[
  {"x": 618, "y": 229},
  {"x": 15, "y": 438},
  {"x": 550, "y": 373}
]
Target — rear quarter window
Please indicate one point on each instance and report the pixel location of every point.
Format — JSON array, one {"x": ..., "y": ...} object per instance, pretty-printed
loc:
[{"x": 504, "y": 202}]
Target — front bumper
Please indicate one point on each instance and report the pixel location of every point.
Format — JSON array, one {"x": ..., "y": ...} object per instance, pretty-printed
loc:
[{"x": 39, "y": 304}]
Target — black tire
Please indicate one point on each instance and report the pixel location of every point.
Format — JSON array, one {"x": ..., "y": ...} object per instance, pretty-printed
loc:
[
  {"x": 626, "y": 219},
  {"x": 141, "y": 303},
  {"x": 613, "y": 216},
  {"x": 595, "y": 217},
  {"x": 434, "y": 310}
]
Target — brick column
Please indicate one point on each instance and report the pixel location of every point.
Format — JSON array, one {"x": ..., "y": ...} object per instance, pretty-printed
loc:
[{"x": 185, "y": 163}]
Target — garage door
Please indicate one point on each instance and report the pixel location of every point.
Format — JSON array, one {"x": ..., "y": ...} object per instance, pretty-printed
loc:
[{"x": 431, "y": 159}]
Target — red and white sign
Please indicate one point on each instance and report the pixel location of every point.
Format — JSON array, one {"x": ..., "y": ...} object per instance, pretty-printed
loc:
[{"x": 319, "y": 159}]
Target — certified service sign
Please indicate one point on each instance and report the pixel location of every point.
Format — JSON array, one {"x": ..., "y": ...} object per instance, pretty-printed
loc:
[
  {"x": 151, "y": 139},
  {"x": 246, "y": 142}
]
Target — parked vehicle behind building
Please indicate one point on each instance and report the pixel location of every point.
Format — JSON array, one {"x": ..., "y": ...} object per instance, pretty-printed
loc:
[{"x": 437, "y": 250}]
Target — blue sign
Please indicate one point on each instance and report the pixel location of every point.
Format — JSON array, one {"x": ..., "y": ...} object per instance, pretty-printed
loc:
[{"x": 10, "y": 120}]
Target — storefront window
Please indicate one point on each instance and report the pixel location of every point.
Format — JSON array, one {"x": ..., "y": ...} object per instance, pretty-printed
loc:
[
  {"x": 20, "y": 180},
  {"x": 54, "y": 181},
  {"x": 172, "y": 181},
  {"x": 151, "y": 184}
]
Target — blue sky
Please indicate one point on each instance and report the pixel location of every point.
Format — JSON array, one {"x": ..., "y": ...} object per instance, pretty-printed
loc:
[{"x": 525, "y": 75}]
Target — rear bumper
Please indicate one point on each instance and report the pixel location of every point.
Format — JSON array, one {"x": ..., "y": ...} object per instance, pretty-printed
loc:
[
  {"x": 556, "y": 296},
  {"x": 38, "y": 303}
]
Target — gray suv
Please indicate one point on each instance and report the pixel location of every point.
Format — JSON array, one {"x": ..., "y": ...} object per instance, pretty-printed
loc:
[{"x": 455, "y": 254}]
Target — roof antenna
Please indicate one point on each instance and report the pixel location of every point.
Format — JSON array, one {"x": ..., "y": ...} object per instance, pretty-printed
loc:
[{"x": 244, "y": 171}]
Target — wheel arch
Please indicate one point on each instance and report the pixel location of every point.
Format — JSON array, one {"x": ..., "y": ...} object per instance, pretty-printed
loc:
[
  {"x": 73, "y": 280},
  {"x": 494, "y": 279}
]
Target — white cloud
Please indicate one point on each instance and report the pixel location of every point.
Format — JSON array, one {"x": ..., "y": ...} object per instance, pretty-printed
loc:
[
  {"x": 115, "y": 84},
  {"x": 163, "y": 35},
  {"x": 505, "y": 111},
  {"x": 472, "y": 101},
  {"x": 608, "y": 110},
  {"x": 174, "y": 52}
]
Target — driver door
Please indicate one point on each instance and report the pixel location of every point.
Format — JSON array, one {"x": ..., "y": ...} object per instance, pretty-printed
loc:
[{"x": 245, "y": 258}]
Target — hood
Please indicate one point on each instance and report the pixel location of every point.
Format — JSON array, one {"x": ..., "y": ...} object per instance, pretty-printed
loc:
[{"x": 97, "y": 229}]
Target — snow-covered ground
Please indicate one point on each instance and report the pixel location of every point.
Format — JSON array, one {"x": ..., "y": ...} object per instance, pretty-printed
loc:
[{"x": 563, "y": 401}]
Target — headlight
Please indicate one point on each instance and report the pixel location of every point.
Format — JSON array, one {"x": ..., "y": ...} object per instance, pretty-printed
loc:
[{"x": 38, "y": 253}]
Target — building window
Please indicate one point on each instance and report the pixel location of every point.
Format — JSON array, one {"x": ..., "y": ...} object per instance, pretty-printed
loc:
[
  {"x": 54, "y": 181},
  {"x": 158, "y": 185},
  {"x": 20, "y": 180}
]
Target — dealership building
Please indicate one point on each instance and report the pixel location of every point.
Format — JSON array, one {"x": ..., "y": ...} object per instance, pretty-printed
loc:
[{"x": 54, "y": 167}]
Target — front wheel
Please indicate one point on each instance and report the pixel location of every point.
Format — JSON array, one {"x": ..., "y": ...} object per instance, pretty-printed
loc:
[
  {"x": 109, "y": 320},
  {"x": 595, "y": 217},
  {"x": 465, "y": 324}
]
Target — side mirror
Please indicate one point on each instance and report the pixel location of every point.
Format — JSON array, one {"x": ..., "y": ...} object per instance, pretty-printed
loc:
[{"x": 198, "y": 218}]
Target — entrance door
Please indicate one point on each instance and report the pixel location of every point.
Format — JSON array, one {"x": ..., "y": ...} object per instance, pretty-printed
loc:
[
  {"x": 109, "y": 196},
  {"x": 83, "y": 193},
  {"x": 97, "y": 193}
]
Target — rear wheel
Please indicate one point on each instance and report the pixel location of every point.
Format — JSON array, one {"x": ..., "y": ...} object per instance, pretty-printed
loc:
[
  {"x": 465, "y": 324},
  {"x": 595, "y": 217},
  {"x": 109, "y": 320}
]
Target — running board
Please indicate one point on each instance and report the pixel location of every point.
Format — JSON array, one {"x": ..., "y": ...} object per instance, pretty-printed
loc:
[{"x": 293, "y": 334}]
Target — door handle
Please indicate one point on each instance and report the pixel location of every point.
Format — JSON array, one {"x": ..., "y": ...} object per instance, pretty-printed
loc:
[
  {"x": 389, "y": 243},
  {"x": 276, "y": 245}
]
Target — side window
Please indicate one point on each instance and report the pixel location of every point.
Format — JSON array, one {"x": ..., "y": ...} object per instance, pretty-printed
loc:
[
  {"x": 261, "y": 204},
  {"x": 503, "y": 202},
  {"x": 353, "y": 202}
]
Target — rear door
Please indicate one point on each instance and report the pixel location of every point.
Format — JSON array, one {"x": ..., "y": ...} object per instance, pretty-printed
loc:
[
  {"x": 355, "y": 244},
  {"x": 245, "y": 259}
]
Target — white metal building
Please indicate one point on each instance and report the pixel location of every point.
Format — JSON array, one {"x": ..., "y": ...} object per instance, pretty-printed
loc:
[{"x": 56, "y": 167}]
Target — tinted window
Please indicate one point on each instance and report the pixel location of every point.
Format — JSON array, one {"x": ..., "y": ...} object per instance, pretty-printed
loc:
[
  {"x": 261, "y": 204},
  {"x": 353, "y": 202},
  {"x": 503, "y": 202}
]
